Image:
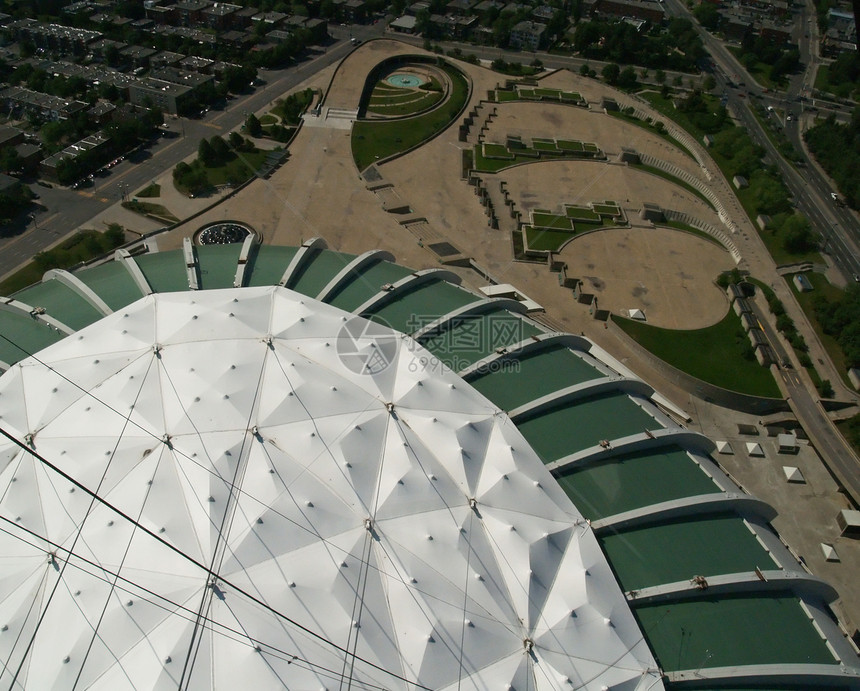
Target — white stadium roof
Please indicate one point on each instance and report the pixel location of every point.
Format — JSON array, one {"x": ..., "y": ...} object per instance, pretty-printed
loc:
[{"x": 229, "y": 501}]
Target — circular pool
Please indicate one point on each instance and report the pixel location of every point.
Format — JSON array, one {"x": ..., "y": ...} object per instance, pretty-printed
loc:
[
  {"x": 223, "y": 233},
  {"x": 404, "y": 80}
]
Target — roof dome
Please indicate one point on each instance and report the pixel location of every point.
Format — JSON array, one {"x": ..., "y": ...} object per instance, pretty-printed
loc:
[{"x": 247, "y": 488}]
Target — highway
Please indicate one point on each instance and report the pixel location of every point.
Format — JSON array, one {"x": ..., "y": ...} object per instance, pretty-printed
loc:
[{"x": 838, "y": 226}]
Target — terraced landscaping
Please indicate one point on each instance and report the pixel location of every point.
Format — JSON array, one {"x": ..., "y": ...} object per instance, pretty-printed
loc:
[
  {"x": 395, "y": 101},
  {"x": 491, "y": 157},
  {"x": 376, "y": 139}
]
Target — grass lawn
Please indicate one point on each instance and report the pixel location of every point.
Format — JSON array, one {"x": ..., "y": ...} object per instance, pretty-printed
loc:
[
  {"x": 405, "y": 104},
  {"x": 151, "y": 190},
  {"x": 496, "y": 151},
  {"x": 239, "y": 167},
  {"x": 543, "y": 239},
  {"x": 651, "y": 128},
  {"x": 581, "y": 213},
  {"x": 773, "y": 240},
  {"x": 690, "y": 229},
  {"x": 713, "y": 354},
  {"x": 372, "y": 140},
  {"x": 268, "y": 119},
  {"x": 553, "y": 221},
  {"x": 671, "y": 178},
  {"x": 807, "y": 300},
  {"x": 569, "y": 145},
  {"x": 149, "y": 209}
]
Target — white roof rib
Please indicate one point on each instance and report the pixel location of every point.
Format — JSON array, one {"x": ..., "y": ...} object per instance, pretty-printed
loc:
[{"x": 268, "y": 514}]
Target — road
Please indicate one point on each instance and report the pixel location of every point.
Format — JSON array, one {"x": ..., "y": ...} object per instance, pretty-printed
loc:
[
  {"x": 809, "y": 413},
  {"x": 61, "y": 210}
]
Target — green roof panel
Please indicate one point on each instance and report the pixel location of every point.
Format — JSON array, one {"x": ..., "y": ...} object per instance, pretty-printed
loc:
[
  {"x": 164, "y": 271},
  {"x": 218, "y": 264},
  {"x": 112, "y": 282},
  {"x": 747, "y": 629},
  {"x": 699, "y": 545},
  {"x": 61, "y": 302},
  {"x": 537, "y": 374},
  {"x": 363, "y": 285},
  {"x": 584, "y": 422},
  {"x": 268, "y": 264},
  {"x": 630, "y": 481}
]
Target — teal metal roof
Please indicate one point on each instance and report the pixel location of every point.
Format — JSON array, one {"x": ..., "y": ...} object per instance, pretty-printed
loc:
[
  {"x": 314, "y": 275},
  {"x": 266, "y": 268},
  {"x": 718, "y": 544},
  {"x": 363, "y": 285},
  {"x": 744, "y": 629},
  {"x": 585, "y": 422},
  {"x": 538, "y": 373},
  {"x": 164, "y": 271},
  {"x": 634, "y": 480},
  {"x": 61, "y": 302},
  {"x": 471, "y": 338},
  {"x": 22, "y": 335},
  {"x": 112, "y": 282},
  {"x": 217, "y": 265},
  {"x": 410, "y": 310}
]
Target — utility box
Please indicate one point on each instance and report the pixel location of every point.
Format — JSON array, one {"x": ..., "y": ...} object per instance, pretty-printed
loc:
[{"x": 849, "y": 523}]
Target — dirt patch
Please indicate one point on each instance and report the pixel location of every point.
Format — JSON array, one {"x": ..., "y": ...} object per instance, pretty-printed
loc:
[{"x": 667, "y": 274}]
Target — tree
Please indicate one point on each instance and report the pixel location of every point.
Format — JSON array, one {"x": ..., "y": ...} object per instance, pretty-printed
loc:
[
  {"x": 627, "y": 78},
  {"x": 207, "y": 154},
  {"x": 660, "y": 77},
  {"x": 10, "y": 161},
  {"x": 709, "y": 82},
  {"x": 220, "y": 148},
  {"x": 584, "y": 69},
  {"x": 237, "y": 141},
  {"x": 798, "y": 236},
  {"x": 611, "y": 72},
  {"x": 707, "y": 14},
  {"x": 253, "y": 126}
]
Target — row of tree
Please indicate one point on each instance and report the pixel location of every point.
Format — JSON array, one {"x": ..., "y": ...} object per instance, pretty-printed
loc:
[
  {"x": 837, "y": 148},
  {"x": 841, "y": 319}
]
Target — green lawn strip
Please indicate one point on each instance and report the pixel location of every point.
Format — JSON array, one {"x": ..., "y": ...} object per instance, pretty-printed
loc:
[
  {"x": 546, "y": 239},
  {"x": 241, "y": 166},
  {"x": 81, "y": 247},
  {"x": 773, "y": 240},
  {"x": 678, "y": 181},
  {"x": 690, "y": 229},
  {"x": 553, "y": 221},
  {"x": 151, "y": 190},
  {"x": 581, "y": 213},
  {"x": 850, "y": 429},
  {"x": 416, "y": 105},
  {"x": 373, "y": 140},
  {"x": 395, "y": 99},
  {"x": 569, "y": 145},
  {"x": 717, "y": 354},
  {"x": 644, "y": 124},
  {"x": 150, "y": 209},
  {"x": 490, "y": 150},
  {"x": 821, "y": 287},
  {"x": 268, "y": 119},
  {"x": 545, "y": 146},
  {"x": 503, "y": 96}
]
